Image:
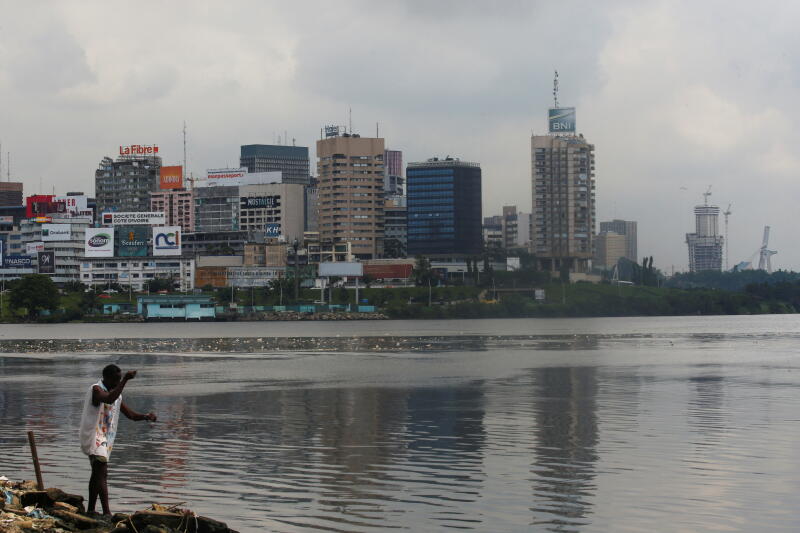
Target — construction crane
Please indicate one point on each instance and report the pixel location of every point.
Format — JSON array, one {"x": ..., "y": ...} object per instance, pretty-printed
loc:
[
  {"x": 765, "y": 254},
  {"x": 727, "y": 213},
  {"x": 706, "y": 195}
]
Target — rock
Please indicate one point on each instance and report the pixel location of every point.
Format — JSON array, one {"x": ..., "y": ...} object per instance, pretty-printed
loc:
[
  {"x": 80, "y": 521},
  {"x": 74, "y": 500},
  {"x": 39, "y": 498},
  {"x": 142, "y": 519},
  {"x": 209, "y": 525}
]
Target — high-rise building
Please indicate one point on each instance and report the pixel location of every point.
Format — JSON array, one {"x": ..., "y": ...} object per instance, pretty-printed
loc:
[
  {"x": 611, "y": 247},
  {"x": 444, "y": 208},
  {"x": 291, "y": 161},
  {"x": 10, "y": 193},
  {"x": 705, "y": 244},
  {"x": 273, "y": 209},
  {"x": 493, "y": 231},
  {"x": 628, "y": 229},
  {"x": 216, "y": 208},
  {"x": 563, "y": 223},
  {"x": 351, "y": 197},
  {"x": 393, "y": 182},
  {"x": 177, "y": 206},
  {"x": 126, "y": 184},
  {"x": 516, "y": 228},
  {"x": 395, "y": 241}
]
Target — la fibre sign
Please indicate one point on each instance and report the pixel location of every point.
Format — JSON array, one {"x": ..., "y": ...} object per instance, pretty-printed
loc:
[{"x": 138, "y": 149}]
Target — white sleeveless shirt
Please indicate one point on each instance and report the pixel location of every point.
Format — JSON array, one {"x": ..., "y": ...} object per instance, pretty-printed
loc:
[{"x": 99, "y": 424}]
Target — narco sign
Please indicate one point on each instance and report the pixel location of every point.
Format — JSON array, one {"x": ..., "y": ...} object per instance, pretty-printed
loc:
[{"x": 136, "y": 149}]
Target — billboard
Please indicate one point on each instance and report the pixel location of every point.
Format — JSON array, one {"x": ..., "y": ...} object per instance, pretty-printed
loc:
[
  {"x": 171, "y": 177},
  {"x": 260, "y": 202},
  {"x": 238, "y": 176},
  {"x": 17, "y": 261},
  {"x": 32, "y": 248},
  {"x": 75, "y": 205},
  {"x": 56, "y": 232},
  {"x": 167, "y": 240},
  {"x": 561, "y": 120},
  {"x": 340, "y": 268},
  {"x": 131, "y": 241},
  {"x": 272, "y": 229},
  {"x": 147, "y": 218},
  {"x": 389, "y": 271},
  {"x": 6, "y": 220},
  {"x": 99, "y": 242},
  {"x": 47, "y": 262},
  {"x": 137, "y": 149}
]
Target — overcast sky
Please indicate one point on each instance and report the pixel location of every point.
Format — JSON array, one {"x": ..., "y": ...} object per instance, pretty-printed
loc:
[{"x": 676, "y": 96}]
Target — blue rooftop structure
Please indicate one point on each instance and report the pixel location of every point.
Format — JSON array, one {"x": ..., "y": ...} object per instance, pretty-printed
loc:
[{"x": 176, "y": 307}]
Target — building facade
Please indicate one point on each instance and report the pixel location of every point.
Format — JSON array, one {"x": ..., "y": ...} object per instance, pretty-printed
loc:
[
  {"x": 216, "y": 208},
  {"x": 705, "y": 244},
  {"x": 516, "y": 228},
  {"x": 126, "y": 184},
  {"x": 563, "y": 214},
  {"x": 351, "y": 198},
  {"x": 10, "y": 193},
  {"x": 393, "y": 182},
  {"x": 628, "y": 229},
  {"x": 274, "y": 209},
  {"x": 444, "y": 207},
  {"x": 291, "y": 161},
  {"x": 177, "y": 205},
  {"x": 68, "y": 248},
  {"x": 611, "y": 247},
  {"x": 133, "y": 272},
  {"x": 395, "y": 227}
]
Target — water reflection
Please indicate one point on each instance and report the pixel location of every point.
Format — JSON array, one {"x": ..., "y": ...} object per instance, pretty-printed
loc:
[{"x": 564, "y": 453}]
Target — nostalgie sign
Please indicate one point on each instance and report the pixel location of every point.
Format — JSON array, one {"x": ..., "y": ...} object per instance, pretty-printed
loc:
[
  {"x": 137, "y": 149},
  {"x": 260, "y": 202},
  {"x": 47, "y": 262},
  {"x": 167, "y": 240},
  {"x": 171, "y": 177},
  {"x": 146, "y": 218},
  {"x": 99, "y": 242},
  {"x": 56, "y": 232}
]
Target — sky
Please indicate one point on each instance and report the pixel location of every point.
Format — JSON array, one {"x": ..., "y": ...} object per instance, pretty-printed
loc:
[{"x": 675, "y": 96}]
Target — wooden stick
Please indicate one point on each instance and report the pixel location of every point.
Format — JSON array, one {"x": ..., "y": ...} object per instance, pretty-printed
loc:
[{"x": 32, "y": 442}]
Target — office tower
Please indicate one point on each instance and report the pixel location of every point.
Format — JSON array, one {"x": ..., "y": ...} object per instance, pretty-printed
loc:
[
  {"x": 273, "y": 209},
  {"x": 350, "y": 172},
  {"x": 516, "y": 228},
  {"x": 216, "y": 208},
  {"x": 10, "y": 193},
  {"x": 563, "y": 223},
  {"x": 395, "y": 227},
  {"x": 291, "y": 161},
  {"x": 312, "y": 205},
  {"x": 493, "y": 231},
  {"x": 705, "y": 244},
  {"x": 177, "y": 206},
  {"x": 444, "y": 208},
  {"x": 393, "y": 183},
  {"x": 611, "y": 247},
  {"x": 126, "y": 184},
  {"x": 628, "y": 229}
]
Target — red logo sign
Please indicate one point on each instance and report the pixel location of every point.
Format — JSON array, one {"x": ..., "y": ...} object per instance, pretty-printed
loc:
[{"x": 136, "y": 149}]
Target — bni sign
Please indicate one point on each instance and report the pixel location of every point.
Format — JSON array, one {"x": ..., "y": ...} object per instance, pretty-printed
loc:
[{"x": 561, "y": 120}]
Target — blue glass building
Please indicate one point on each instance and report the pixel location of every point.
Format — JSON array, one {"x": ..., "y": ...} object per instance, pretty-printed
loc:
[{"x": 444, "y": 207}]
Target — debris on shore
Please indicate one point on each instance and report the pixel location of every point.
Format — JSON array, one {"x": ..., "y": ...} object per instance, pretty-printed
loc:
[{"x": 23, "y": 509}]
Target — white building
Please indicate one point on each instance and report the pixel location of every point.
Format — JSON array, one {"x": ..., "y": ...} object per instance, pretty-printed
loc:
[
  {"x": 68, "y": 245},
  {"x": 134, "y": 272}
]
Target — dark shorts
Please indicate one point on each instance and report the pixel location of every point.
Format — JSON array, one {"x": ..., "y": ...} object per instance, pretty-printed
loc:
[{"x": 97, "y": 459}]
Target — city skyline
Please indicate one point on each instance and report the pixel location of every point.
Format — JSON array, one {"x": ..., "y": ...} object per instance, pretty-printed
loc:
[{"x": 671, "y": 104}]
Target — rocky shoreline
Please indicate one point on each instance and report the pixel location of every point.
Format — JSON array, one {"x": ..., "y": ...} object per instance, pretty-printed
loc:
[{"x": 23, "y": 508}]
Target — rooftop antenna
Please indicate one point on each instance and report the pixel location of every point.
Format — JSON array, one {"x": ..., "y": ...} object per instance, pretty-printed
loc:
[
  {"x": 350, "y": 111},
  {"x": 285, "y": 138},
  {"x": 727, "y": 213},
  {"x": 8, "y": 166},
  {"x": 706, "y": 195},
  {"x": 184, "y": 151},
  {"x": 377, "y": 130},
  {"x": 555, "y": 89}
]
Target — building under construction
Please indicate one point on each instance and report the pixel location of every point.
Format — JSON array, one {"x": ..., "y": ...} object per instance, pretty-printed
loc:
[{"x": 705, "y": 244}]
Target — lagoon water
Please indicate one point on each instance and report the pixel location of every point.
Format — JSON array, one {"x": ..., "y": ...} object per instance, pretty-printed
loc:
[{"x": 625, "y": 424}]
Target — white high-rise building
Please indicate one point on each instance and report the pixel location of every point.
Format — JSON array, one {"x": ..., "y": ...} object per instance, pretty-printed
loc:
[{"x": 705, "y": 244}]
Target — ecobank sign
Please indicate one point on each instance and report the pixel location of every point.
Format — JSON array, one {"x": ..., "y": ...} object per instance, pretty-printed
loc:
[
  {"x": 167, "y": 240},
  {"x": 561, "y": 120}
]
